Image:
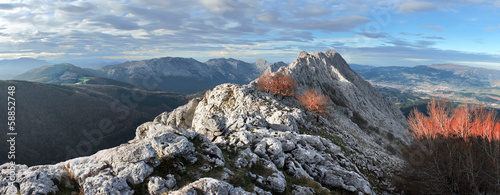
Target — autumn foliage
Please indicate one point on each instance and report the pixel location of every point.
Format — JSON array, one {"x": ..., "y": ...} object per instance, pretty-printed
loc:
[
  {"x": 455, "y": 151},
  {"x": 464, "y": 122},
  {"x": 314, "y": 101},
  {"x": 277, "y": 83}
]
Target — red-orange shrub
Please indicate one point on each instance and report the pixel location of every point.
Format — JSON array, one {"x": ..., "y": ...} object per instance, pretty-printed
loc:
[
  {"x": 464, "y": 122},
  {"x": 314, "y": 101},
  {"x": 277, "y": 83},
  {"x": 455, "y": 151}
]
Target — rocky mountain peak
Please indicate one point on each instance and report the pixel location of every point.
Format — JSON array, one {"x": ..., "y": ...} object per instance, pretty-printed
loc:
[
  {"x": 330, "y": 74},
  {"x": 261, "y": 65}
]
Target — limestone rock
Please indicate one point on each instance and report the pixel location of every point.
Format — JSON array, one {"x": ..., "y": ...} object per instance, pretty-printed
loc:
[
  {"x": 181, "y": 117},
  {"x": 301, "y": 190},
  {"x": 158, "y": 185},
  {"x": 209, "y": 186}
]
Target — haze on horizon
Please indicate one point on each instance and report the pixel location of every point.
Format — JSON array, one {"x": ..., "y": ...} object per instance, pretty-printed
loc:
[{"x": 396, "y": 32}]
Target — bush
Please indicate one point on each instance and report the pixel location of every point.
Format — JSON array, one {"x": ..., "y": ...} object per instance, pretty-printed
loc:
[
  {"x": 277, "y": 83},
  {"x": 314, "y": 101},
  {"x": 455, "y": 151}
]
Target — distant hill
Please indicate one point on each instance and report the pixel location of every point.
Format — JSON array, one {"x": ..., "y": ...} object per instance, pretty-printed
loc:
[
  {"x": 185, "y": 75},
  {"x": 360, "y": 67},
  {"x": 233, "y": 70},
  {"x": 490, "y": 76},
  {"x": 57, "y": 74},
  {"x": 52, "y": 119},
  {"x": 10, "y": 68}
]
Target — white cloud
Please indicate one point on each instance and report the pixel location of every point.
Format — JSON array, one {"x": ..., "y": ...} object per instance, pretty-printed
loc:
[
  {"x": 411, "y": 7},
  {"x": 218, "y": 6}
]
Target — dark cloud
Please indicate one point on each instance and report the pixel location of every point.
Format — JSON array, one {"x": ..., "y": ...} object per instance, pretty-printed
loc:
[{"x": 10, "y": 6}]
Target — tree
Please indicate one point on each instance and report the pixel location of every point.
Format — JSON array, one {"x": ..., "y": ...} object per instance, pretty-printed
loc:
[
  {"x": 455, "y": 151},
  {"x": 314, "y": 101},
  {"x": 276, "y": 83}
]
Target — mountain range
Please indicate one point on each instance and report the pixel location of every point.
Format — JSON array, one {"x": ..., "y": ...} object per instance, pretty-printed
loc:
[
  {"x": 11, "y": 68},
  {"x": 181, "y": 75},
  {"x": 236, "y": 139}
]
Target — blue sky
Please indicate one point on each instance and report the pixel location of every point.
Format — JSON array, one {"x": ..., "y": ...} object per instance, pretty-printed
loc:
[{"x": 394, "y": 32}]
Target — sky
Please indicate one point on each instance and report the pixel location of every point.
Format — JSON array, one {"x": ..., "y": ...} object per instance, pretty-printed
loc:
[{"x": 393, "y": 32}]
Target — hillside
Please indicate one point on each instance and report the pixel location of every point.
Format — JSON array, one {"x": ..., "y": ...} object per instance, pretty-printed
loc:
[
  {"x": 490, "y": 76},
  {"x": 238, "y": 140},
  {"x": 52, "y": 119},
  {"x": 56, "y": 74}
]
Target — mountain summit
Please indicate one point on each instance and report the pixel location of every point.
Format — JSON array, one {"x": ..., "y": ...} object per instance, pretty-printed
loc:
[
  {"x": 329, "y": 73},
  {"x": 239, "y": 140}
]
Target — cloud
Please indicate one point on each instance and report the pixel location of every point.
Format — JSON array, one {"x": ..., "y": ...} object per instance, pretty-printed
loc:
[
  {"x": 334, "y": 25},
  {"x": 306, "y": 35},
  {"x": 120, "y": 23},
  {"x": 493, "y": 28},
  {"x": 433, "y": 37},
  {"x": 411, "y": 7},
  {"x": 192, "y": 28},
  {"x": 433, "y": 27},
  {"x": 417, "y": 59},
  {"x": 269, "y": 17},
  {"x": 373, "y": 35},
  {"x": 496, "y": 3},
  {"x": 7, "y": 6},
  {"x": 219, "y": 6},
  {"x": 313, "y": 11},
  {"x": 80, "y": 7}
]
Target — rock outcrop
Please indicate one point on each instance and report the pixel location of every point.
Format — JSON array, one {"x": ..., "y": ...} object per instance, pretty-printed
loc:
[{"x": 238, "y": 140}]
